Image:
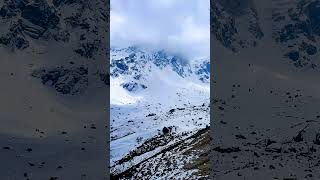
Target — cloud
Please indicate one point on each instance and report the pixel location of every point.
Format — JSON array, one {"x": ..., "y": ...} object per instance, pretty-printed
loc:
[{"x": 176, "y": 25}]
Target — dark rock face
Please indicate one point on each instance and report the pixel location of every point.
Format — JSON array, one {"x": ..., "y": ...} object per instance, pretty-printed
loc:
[
  {"x": 133, "y": 86},
  {"x": 295, "y": 28},
  {"x": 225, "y": 26},
  {"x": 105, "y": 77},
  {"x": 313, "y": 13},
  {"x": 65, "y": 81},
  {"x": 180, "y": 65},
  {"x": 121, "y": 65},
  {"x": 25, "y": 21},
  {"x": 76, "y": 21},
  {"x": 203, "y": 71},
  {"x": 299, "y": 31},
  {"x": 40, "y": 15},
  {"x": 87, "y": 50},
  {"x": 303, "y": 22},
  {"x": 60, "y": 2},
  {"x": 9, "y": 9},
  {"x": 36, "y": 19},
  {"x": 293, "y": 55},
  {"x": 14, "y": 41},
  {"x": 161, "y": 59},
  {"x": 308, "y": 48}
]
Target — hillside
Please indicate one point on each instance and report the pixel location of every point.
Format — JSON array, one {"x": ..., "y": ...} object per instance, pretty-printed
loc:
[
  {"x": 53, "y": 75},
  {"x": 266, "y": 99},
  {"x": 158, "y": 100}
]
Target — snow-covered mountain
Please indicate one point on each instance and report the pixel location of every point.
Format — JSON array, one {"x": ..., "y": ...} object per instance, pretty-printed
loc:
[
  {"x": 137, "y": 64},
  {"x": 153, "y": 92},
  {"x": 147, "y": 73}
]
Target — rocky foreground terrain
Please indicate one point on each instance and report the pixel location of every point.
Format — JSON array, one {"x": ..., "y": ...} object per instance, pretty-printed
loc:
[{"x": 186, "y": 159}]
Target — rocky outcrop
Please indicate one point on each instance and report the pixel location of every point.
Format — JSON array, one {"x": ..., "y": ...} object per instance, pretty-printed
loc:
[
  {"x": 235, "y": 25},
  {"x": 65, "y": 81}
]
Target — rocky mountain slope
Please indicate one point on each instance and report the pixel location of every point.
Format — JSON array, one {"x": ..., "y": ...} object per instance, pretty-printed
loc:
[
  {"x": 186, "y": 159},
  {"x": 54, "y": 76},
  {"x": 158, "y": 101},
  {"x": 265, "y": 122}
]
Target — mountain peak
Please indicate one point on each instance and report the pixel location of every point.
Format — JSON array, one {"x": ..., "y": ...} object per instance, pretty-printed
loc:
[{"x": 136, "y": 64}]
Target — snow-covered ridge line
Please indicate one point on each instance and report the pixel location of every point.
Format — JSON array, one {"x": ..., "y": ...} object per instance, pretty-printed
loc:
[
  {"x": 132, "y": 60},
  {"x": 141, "y": 75}
]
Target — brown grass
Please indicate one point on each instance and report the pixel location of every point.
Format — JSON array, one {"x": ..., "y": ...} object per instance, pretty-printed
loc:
[{"x": 200, "y": 147}]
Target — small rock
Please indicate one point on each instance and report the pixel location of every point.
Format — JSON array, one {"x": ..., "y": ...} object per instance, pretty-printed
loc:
[
  {"x": 151, "y": 114},
  {"x": 275, "y": 147},
  {"x": 223, "y": 122},
  {"x": 239, "y": 136},
  {"x": 256, "y": 154},
  {"x": 298, "y": 137},
  {"x": 227, "y": 150},
  {"x": 165, "y": 130},
  {"x": 317, "y": 140},
  {"x": 6, "y": 147},
  {"x": 30, "y": 164}
]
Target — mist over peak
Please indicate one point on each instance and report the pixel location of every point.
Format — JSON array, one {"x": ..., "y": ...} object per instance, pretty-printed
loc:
[{"x": 177, "y": 26}]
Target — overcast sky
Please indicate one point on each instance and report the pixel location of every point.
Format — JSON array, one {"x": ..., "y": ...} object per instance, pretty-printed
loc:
[{"x": 181, "y": 26}]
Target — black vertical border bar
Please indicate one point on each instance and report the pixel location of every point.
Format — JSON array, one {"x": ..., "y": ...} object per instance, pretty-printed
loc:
[
  {"x": 102, "y": 64},
  {"x": 212, "y": 77},
  {"x": 107, "y": 108},
  {"x": 106, "y": 65},
  {"x": 94, "y": 65}
]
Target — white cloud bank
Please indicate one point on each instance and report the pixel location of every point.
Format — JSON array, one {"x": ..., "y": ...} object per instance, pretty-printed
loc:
[{"x": 179, "y": 26}]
